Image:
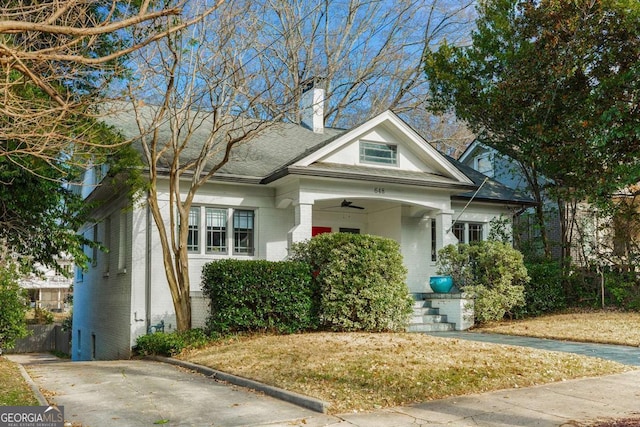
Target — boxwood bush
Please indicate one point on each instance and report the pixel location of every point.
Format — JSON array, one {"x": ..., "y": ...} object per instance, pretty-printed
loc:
[
  {"x": 252, "y": 296},
  {"x": 360, "y": 281},
  {"x": 492, "y": 272}
]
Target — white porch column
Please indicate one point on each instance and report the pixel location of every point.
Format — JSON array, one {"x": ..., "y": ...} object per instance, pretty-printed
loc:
[
  {"x": 303, "y": 219},
  {"x": 444, "y": 236}
]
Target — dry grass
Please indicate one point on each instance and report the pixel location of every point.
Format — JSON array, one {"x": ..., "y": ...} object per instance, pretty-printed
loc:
[
  {"x": 14, "y": 390},
  {"x": 607, "y": 327},
  {"x": 359, "y": 371}
]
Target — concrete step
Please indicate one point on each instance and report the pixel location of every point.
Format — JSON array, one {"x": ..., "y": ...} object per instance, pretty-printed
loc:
[
  {"x": 431, "y": 327},
  {"x": 425, "y": 310},
  {"x": 421, "y": 304},
  {"x": 428, "y": 318}
]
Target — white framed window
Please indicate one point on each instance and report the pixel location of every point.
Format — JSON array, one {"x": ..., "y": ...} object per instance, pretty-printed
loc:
[
  {"x": 378, "y": 153},
  {"x": 216, "y": 223},
  {"x": 106, "y": 242},
  {"x": 243, "y": 232},
  {"x": 475, "y": 232},
  {"x": 122, "y": 242},
  {"x": 193, "y": 233},
  {"x": 224, "y": 228},
  {"x": 484, "y": 164},
  {"x": 467, "y": 232}
]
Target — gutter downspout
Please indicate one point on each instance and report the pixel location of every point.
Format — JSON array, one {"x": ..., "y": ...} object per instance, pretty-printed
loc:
[{"x": 147, "y": 292}]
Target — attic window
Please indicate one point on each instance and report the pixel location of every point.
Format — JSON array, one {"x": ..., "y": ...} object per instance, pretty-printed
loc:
[
  {"x": 483, "y": 164},
  {"x": 374, "y": 152}
]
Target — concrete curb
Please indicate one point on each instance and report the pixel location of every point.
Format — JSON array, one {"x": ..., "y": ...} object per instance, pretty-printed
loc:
[
  {"x": 301, "y": 400},
  {"x": 34, "y": 387}
]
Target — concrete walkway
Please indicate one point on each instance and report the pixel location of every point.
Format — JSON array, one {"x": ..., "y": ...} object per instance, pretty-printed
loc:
[
  {"x": 141, "y": 393},
  {"x": 618, "y": 353}
]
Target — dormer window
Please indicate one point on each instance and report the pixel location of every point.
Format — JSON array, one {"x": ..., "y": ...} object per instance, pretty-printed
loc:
[
  {"x": 378, "y": 153},
  {"x": 483, "y": 164}
]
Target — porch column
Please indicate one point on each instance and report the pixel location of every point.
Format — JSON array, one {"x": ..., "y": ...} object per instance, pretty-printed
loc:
[
  {"x": 444, "y": 236},
  {"x": 302, "y": 223}
]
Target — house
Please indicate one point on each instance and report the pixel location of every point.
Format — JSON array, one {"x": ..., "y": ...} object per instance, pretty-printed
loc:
[
  {"x": 507, "y": 171},
  {"x": 48, "y": 288},
  {"x": 293, "y": 182}
]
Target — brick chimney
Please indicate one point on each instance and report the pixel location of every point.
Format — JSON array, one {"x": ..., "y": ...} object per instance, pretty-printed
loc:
[{"x": 312, "y": 104}]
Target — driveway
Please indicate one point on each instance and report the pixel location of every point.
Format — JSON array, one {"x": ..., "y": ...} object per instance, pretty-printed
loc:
[{"x": 143, "y": 393}]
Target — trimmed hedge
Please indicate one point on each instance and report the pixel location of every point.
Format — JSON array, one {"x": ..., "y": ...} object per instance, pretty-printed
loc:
[
  {"x": 170, "y": 344},
  {"x": 252, "y": 296},
  {"x": 544, "y": 293},
  {"x": 360, "y": 281}
]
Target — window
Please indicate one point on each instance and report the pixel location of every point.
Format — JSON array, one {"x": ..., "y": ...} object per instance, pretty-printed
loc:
[
  {"x": 434, "y": 249},
  {"x": 218, "y": 236},
  {"x": 243, "y": 232},
  {"x": 373, "y": 152},
  {"x": 193, "y": 234},
  {"x": 483, "y": 164},
  {"x": 459, "y": 231},
  {"x": 107, "y": 244},
  {"x": 94, "y": 248},
  {"x": 216, "y": 220},
  {"x": 468, "y": 232},
  {"x": 122, "y": 242},
  {"x": 475, "y": 232},
  {"x": 350, "y": 230}
]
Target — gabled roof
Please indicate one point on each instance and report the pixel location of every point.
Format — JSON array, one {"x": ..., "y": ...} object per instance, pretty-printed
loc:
[
  {"x": 284, "y": 149},
  {"x": 473, "y": 148},
  {"x": 317, "y": 161},
  {"x": 490, "y": 189}
]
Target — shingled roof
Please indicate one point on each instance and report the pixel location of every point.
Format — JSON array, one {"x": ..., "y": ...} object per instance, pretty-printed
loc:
[{"x": 273, "y": 152}]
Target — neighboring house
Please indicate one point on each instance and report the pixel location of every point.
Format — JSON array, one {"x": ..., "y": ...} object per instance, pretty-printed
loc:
[
  {"x": 291, "y": 183},
  {"x": 48, "y": 288},
  {"x": 586, "y": 235}
]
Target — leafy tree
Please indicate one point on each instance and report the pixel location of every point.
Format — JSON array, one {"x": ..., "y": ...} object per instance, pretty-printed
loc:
[
  {"x": 14, "y": 306},
  {"x": 554, "y": 85}
]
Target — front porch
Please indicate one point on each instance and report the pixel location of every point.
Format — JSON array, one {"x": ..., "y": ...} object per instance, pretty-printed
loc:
[{"x": 421, "y": 229}]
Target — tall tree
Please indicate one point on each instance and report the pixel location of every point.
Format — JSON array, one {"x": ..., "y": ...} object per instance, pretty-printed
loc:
[
  {"x": 368, "y": 54},
  {"x": 554, "y": 85},
  {"x": 57, "y": 59}
]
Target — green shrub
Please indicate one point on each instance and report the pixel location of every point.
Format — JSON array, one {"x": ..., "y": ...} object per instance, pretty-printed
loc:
[
  {"x": 41, "y": 316},
  {"x": 360, "y": 281},
  {"x": 14, "y": 307},
  {"x": 622, "y": 290},
  {"x": 259, "y": 296},
  {"x": 544, "y": 293},
  {"x": 491, "y": 272},
  {"x": 163, "y": 344}
]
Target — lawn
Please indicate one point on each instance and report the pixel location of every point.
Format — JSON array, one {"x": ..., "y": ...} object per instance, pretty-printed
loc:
[
  {"x": 14, "y": 391},
  {"x": 359, "y": 371},
  {"x": 607, "y": 327}
]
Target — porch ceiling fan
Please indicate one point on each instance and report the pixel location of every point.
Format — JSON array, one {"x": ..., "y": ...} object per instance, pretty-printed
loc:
[{"x": 349, "y": 204}]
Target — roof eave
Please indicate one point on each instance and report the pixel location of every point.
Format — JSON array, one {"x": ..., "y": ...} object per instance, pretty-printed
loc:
[{"x": 304, "y": 171}]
